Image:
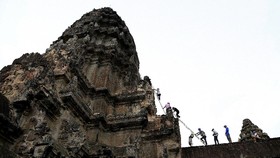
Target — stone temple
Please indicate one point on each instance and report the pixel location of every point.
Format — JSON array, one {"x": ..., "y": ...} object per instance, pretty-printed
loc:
[
  {"x": 248, "y": 129},
  {"x": 84, "y": 98}
]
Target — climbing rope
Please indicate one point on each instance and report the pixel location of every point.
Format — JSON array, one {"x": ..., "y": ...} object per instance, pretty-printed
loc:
[
  {"x": 180, "y": 121},
  {"x": 191, "y": 131}
]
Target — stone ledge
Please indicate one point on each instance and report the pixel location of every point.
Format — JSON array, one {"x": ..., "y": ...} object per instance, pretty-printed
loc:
[
  {"x": 128, "y": 122},
  {"x": 157, "y": 134},
  {"x": 76, "y": 106},
  {"x": 262, "y": 149}
]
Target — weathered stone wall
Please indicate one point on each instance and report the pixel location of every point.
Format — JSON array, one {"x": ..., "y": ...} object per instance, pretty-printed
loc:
[
  {"x": 251, "y": 132},
  {"x": 84, "y": 97},
  {"x": 263, "y": 149}
]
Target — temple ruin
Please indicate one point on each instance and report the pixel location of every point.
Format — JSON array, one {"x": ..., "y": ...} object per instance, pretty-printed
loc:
[
  {"x": 84, "y": 98},
  {"x": 251, "y": 132}
]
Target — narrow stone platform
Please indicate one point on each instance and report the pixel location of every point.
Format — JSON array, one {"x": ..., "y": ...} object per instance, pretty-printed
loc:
[{"x": 264, "y": 149}]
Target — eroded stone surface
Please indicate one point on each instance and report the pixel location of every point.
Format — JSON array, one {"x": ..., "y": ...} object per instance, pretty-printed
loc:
[
  {"x": 84, "y": 97},
  {"x": 251, "y": 132}
]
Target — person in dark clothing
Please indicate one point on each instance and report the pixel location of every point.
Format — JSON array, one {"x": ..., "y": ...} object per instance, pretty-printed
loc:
[
  {"x": 203, "y": 136},
  {"x": 177, "y": 112}
]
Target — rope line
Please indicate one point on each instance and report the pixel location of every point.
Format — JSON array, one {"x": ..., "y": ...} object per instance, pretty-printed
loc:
[{"x": 180, "y": 121}]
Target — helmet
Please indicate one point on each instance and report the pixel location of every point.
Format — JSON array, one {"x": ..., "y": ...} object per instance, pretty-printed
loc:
[
  {"x": 199, "y": 129},
  {"x": 213, "y": 129}
]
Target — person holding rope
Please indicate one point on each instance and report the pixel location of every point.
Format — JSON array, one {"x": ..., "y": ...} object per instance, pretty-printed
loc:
[
  {"x": 190, "y": 139},
  {"x": 167, "y": 107},
  {"x": 203, "y": 136},
  {"x": 177, "y": 112},
  {"x": 158, "y": 93}
]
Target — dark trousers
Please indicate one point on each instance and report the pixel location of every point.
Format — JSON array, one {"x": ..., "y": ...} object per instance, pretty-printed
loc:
[
  {"x": 177, "y": 113},
  {"x": 228, "y": 138},
  {"x": 204, "y": 140},
  {"x": 158, "y": 95},
  {"x": 216, "y": 140}
]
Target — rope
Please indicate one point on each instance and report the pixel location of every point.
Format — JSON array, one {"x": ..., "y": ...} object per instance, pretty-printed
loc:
[
  {"x": 161, "y": 105},
  {"x": 186, "y": 126},
  {"x": 180, "y": 121},
  {"x": 191, "y": 131}
]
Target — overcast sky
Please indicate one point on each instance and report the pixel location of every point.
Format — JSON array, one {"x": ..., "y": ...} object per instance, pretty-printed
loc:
[{"x": 217, "y": 61}]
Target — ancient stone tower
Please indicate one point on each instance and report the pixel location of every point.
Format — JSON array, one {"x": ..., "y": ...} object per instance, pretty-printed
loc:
[
  {"x": 251, "y": 132},
  {"x": 84, "y": 98}
]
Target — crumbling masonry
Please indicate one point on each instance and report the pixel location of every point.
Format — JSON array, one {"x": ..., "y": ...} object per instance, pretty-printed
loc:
[{"x": 84, "y": 97}]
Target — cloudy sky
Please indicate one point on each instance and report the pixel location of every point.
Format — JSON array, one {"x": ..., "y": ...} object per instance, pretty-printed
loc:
[{"x": 217, "y": 61}]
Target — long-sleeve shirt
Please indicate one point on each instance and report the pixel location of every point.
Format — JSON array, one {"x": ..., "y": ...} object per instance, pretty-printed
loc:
[
  {"x": 167, "y": 106},
  {"x": 202, "y": 133},
  {"x": 215, "y": 133},
  {"x": 227, "y": 131}
]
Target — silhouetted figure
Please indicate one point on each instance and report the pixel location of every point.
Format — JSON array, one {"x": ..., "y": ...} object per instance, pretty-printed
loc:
[
  {"x": 203, "y": 136},
  {"x": 177, "y": 112},
  {"x": 190, "y": 139}
]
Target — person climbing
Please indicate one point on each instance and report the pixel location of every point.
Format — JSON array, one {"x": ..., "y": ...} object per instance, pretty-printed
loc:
[
  {"x": 203, "y": 136},
  {"x": 158, "y": 93},
  {"x": 215, "y": 134},
  {"x": 177, "y": 112},
  {"x": 227, "y": 134},
  {"x": 167, "y": 106},
  {"x": 190, "y": 139}
]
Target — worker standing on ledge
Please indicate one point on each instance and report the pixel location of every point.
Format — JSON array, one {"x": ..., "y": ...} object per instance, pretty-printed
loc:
[
  {"x": 215, "y": 134},
  {"x": 227, "y": 134}
]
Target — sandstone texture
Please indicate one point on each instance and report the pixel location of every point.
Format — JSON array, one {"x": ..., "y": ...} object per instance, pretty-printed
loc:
[
  {"x": 251, "y": 132},
  {"x": 84, "y": 98}
]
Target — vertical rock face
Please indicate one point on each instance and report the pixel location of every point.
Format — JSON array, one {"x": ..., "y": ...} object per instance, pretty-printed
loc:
[
  {"x": 84, "y": 97},
  {"x": 251, "y": 132}
]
